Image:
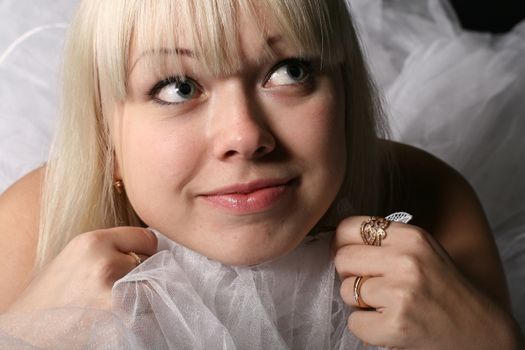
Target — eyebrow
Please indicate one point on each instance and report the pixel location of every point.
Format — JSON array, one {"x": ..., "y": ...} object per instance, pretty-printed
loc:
[
  {"x": 270, "y": 41},
  {"x": 164, "y": 51}
]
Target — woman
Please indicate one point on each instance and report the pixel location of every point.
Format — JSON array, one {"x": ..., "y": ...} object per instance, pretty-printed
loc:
[{"x": 235, "y": 131}]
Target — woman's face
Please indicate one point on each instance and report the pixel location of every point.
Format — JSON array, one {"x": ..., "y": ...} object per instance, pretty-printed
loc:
[{"x": 238, "y": 168}]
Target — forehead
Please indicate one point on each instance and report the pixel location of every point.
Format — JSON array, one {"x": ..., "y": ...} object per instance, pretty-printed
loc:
[
  {"x": 220, "y": 44},
  {"x": 220, "y": 33},
  {"x": 256, "y": 40},
  {"x": 253, "y": 49}
]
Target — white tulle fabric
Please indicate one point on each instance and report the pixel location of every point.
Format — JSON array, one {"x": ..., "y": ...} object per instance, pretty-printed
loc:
[
  {"x": 191, "y": 302},
  {"x": 457, "y": 94},
  {"x": 179, "y": 299}
]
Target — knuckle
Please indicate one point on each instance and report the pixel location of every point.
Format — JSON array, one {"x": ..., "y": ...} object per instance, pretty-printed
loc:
[
  {"x": 349, "y": 223},
  {"x": 105, "y": 270},
  {"x": 399, "y": 322},
  {"x": 412, "y": 272},
  {"x": 415, "y": 269},
  {"x": 344, "y": 225},
  {"x": 352, "y": 323},
  {"x": 399, "y": 327},
  {"x": 90, "y": 240},
  {"x": 144, "y": 238},
  {"x": 151, "y": 239},
  {"x": 341, "y": 258},
  {"x": 408, "y": 264},
  {"x": 418, "y": 238},
  {"x": 346, "y": 291},
  {"x": 407, "y": 298}
]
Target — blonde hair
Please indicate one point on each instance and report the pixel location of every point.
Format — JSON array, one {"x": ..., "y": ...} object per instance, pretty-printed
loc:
[{"x": 78, "y": 192}]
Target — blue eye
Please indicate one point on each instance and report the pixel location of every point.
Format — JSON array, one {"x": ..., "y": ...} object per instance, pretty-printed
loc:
[
  {"x": 289, "y": 72},
  {"x": 175, "y": 90}
]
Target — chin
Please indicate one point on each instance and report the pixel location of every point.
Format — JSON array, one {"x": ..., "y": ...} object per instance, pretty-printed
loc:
[{"x": 247, "y": 249}]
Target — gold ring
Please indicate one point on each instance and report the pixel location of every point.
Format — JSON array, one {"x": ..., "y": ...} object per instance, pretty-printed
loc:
[
  {"x": 357, "y": 291},
  {"x": 137, "y": 258},
  {"x": 373, "y": 230}
]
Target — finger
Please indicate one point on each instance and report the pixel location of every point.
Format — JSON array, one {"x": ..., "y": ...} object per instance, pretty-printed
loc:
[
  {"x": 113, "y": 267},
  {"x": 136, "y": 259},
  {"x": 372, "y": 291},
  {"x": 369, "y": 326},
  {"x": 359, "y": 260},
  {"x": 133, "y": 239},
  {"x": 349, "y": 232}
]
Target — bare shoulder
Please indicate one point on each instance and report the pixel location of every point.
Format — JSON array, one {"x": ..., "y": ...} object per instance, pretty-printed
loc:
[
  {"x": 432, "y": 190},
  {"x": 19, "y": 221},
  {"x": 446, "y": 206}
]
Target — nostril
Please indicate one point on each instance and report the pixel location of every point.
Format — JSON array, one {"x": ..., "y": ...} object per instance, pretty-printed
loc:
[
  {"x": 245, "y": 140},
  {"x": 261, "y": 150},
  {"x": 230, "y": 153}
]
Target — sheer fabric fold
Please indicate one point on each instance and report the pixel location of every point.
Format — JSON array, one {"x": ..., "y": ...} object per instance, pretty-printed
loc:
[{"x": 179, "y": 299}]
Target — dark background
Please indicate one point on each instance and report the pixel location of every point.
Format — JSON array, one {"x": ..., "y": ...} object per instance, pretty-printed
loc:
[{"x": 496, "y": 16}]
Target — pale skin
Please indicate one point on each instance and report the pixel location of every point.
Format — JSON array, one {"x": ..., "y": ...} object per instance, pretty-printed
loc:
[{"x": 436, "y": 285}]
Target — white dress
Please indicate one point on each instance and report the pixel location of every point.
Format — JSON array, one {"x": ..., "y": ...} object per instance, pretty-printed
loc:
[{"x": 457, "y": 94}]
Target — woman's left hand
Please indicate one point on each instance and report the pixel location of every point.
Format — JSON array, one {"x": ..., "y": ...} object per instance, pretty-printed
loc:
[{"x": 418, "y": 298}]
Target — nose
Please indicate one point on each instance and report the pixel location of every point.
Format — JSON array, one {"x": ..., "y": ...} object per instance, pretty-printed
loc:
[{"x": 238, "y": 126}]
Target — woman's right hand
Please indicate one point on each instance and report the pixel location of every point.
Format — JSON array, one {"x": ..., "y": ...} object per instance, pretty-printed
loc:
[{"x": 84, "y": 272}]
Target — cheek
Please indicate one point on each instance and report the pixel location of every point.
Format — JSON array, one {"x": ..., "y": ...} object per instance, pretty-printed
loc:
[
  {"x": 154, "y": 154},
  {"x": 330, "y": 149},
  {"x": 323, "y": 143},
  {"x": 316, "y": 132}
]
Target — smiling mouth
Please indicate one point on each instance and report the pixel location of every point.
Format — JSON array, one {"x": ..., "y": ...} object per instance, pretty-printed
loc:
[{"x": 251, "y": 198}]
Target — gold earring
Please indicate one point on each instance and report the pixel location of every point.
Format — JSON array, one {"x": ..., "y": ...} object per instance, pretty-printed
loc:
[{"x": 119, "y": 186}]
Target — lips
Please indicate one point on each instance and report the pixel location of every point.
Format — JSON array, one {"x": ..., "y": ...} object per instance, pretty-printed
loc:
[
  {"x": 250, "y": 187},
  {"x": 253, "y": 197}
]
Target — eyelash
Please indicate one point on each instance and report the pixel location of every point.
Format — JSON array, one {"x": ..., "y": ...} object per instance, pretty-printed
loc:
[
  {"x": 306, "y": 64},
  {"x": 157, "y": 88}
]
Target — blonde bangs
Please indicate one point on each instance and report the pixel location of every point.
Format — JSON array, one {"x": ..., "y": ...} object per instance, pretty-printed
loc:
[{"x": 210, "y": 30}]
